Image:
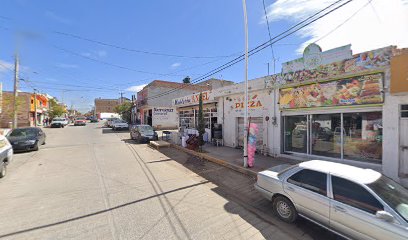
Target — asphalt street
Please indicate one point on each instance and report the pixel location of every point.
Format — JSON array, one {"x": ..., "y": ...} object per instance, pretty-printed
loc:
[{"x": 93, "y": 183}]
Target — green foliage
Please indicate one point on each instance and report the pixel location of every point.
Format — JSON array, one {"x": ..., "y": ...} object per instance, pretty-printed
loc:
[
  {"x": 125, "y": 110},
  {"x": 56, "y": 109},
  {"x": 201, "y": 123}
]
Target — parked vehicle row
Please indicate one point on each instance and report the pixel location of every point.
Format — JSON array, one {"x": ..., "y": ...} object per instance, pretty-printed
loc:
[
  {"x": 19, "y": 140},
  {"x": 353, "y": 202}
]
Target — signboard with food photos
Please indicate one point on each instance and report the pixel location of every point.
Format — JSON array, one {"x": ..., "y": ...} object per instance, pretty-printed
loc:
[{"x": 359, "y": 90}]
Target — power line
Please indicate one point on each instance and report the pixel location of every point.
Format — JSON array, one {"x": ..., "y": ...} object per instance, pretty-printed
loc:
[
  {"x": 344, "y": 22},
  {"x": 265, "y": 44},
  {"x": 270, "y": 36},
  {"x": 109, "y": 64},
  {"x": 135, "y": 50}
]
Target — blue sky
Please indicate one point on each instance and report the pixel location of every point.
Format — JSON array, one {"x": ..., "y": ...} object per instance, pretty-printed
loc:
[{"x": 191, "y": 28}]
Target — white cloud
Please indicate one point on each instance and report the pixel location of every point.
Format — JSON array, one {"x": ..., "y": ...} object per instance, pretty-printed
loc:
[
  {"x": 136, "y": 88},
  {"x": 175, "y": 65},
  {"x": 56, "y": 17},
  {"x": 379, "y": 24},
  {"x": 65, "y": 65}
]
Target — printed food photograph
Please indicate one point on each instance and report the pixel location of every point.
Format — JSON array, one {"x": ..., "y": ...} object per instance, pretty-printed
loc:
[{"x": 352, "y": 91}]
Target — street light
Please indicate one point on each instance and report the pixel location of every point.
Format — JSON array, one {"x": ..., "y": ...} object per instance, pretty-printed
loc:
[{"x": 246, "y": 86}]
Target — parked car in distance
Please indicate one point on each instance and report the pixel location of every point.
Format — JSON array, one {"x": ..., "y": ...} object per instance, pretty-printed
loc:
[
  {"x": 26, "y": 139},
  {"x": 143, "y": 133},
  {"x": 94, "y": 120},
  {"x": 6, "y": 155},
  {"x": 80, "y": 121},
  {"x": 109, "y": 121},
  {"x": 352, "y": 202},
  {"x": 119, "y": 125},
  {"x": 59, "y": 122}
]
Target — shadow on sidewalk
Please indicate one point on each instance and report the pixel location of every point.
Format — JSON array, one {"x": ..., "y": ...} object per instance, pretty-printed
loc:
[{"x": 243, "y": 199}]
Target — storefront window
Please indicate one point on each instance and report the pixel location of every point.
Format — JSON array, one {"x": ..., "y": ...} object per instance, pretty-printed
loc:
[
  {"x": 322, "y": 135},
  {"x": 326, "y": 138},
  {"x": 363, "y": 136},
  {"x": 296, "y": 134}
]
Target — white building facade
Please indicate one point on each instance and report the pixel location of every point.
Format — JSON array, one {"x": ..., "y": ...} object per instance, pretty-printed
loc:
[{"x": 329, "y": 105}]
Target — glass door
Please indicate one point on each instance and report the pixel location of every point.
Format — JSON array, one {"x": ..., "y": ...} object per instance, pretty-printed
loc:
[
  {"x": 325, "y": 135},
  {"x": 296, "y": 134}
]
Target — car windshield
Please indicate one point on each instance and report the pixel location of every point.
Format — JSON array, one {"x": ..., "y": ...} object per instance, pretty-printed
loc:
[
  {"x": 80, "y": 119},
  {"x": 59, "y": 119},
  {"x": 119, "y": 121},
  {"x": 24, "y": 132},
  {"x": 145, "y": 129},
  {"x": 393, "y": 194}
]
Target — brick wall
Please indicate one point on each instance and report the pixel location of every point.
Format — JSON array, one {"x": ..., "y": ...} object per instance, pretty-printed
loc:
[{"x": 23, "y": 109}]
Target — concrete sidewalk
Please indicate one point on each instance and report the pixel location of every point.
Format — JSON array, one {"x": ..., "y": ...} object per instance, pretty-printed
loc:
[{"x": 233, "y": 158}]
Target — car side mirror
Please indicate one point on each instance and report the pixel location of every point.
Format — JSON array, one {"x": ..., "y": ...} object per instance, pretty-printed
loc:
[{"x": 383, "y": 215}]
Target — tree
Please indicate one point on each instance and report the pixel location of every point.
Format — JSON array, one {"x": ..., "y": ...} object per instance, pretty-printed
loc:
[
  {"x": 125, "y": 110},
  {"x": 56, "y": 109},
  {"x": 201, "y": 123},
  {"x": 187, "y": 80}
]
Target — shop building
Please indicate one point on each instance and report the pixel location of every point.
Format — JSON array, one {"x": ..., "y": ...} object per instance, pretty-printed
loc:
[
  {"x": 187, "y": 111},
  {"x": 338, "y": 107},
  {"x": 154, "y": 105},
  {"x": 330, "y": 105}
]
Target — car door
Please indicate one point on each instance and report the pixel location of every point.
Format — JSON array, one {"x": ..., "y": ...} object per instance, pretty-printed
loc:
[
  {"x": 308, "y": 191},
  {"x": 353, "y": 212}
]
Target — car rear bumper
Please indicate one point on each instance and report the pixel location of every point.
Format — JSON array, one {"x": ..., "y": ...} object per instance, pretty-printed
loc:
[
  {"x": 79, "y": 124},
  {"x": 265, "y": 193}
]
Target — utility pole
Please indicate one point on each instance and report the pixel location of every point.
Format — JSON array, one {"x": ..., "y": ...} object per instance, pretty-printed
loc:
[
  {"x": 246, "y": 86},
  {"x": 121, "y": 98},
  {"x": 35, "y": 108},
  {"x": 16, "y": 83}
]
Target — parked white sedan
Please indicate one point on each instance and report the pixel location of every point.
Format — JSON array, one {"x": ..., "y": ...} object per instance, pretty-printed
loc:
[
  {"x": 353, "y": 202},
  {"x": 6, "y": 155},
  {"x": 119, "y": 125}
]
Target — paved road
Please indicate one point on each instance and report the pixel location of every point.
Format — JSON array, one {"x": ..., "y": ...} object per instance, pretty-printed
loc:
[{"x": 92, "y": 183}]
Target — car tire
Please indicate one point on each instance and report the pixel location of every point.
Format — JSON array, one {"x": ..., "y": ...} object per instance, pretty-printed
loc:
[
  {"x": 36, "y": 147},
  {"x": 284, "y": 209},
  {"x": 3, "y": 169}
]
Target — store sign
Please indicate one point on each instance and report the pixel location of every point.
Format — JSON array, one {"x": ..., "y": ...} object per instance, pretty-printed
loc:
[
  {"x": 253, "y": 102},
  {"x": 162, "y": 116},
  {"x": 193, "y": 99},
  {"x": 162, "y": 111},
  {"x": 314, "y": 57},
  {"x": 352, "y": 91},
  {"x": 371, "y": 60}
]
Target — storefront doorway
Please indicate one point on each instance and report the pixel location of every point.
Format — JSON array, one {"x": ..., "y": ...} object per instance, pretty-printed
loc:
[
  {"x": 350, "y": 136},
  {"x": 403, "y": 148}
]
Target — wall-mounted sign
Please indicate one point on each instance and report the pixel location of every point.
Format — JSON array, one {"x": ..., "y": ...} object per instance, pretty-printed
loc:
[
  {"x": 351, "y": 91},
  {"x": 372, "y": 60},
  {"x": 314, "y": 57},
  {"x": 253, "y": 102},
  {"x": 193, "y": 99}
]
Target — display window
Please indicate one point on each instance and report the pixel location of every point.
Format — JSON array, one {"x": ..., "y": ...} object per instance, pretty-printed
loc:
[{"x": 351, "y": 136}]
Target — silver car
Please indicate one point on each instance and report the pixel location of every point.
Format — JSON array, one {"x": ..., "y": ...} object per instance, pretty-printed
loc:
[{"x": 352, "y": 202}]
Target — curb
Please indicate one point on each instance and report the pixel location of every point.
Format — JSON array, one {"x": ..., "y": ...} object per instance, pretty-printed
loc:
[{"x": 221, "y": 162}]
